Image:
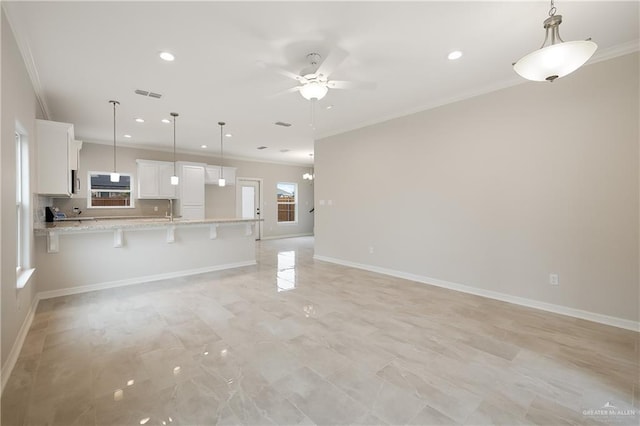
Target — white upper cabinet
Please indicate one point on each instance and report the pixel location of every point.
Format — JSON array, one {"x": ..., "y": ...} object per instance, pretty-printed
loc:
[
  {"x": 154, "y": 179},
  {"x": 212, "y": 174},
  {"x": 55, "y": 148}
]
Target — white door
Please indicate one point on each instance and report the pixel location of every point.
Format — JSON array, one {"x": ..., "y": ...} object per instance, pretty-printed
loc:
[{"x": 248, "y": 202}]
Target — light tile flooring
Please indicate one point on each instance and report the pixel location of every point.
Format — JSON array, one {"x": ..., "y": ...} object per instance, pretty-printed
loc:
[{"x": 298, "y": 341}]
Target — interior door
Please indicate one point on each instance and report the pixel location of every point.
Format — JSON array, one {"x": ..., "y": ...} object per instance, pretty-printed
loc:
[{"x": 248, "y": 202}]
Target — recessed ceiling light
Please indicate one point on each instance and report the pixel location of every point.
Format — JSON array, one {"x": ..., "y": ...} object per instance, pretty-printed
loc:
[
  {"x": 456, "y": 54},
  {"x": 262, "y": 147},
  {"x": 329, "y": 106},
  {"x": 167, "y": 56},
  {"x": 127, "y": 136},
  {"x": 140, "y": 120},
  {"x": 228, "y": 135},
  {"x": 165, "y": 120},
  {"x": 203, "y": 146}
]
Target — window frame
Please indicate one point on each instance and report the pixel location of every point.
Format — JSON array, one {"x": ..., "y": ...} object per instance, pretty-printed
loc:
[
  {"x": 130, "y": 191},
  {"x": 20, "y": 232},
  {"x": 294, "y": 203},
  {"x": 24, "y": 226}
]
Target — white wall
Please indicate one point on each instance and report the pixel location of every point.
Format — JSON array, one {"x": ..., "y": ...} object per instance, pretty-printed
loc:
[
  {"x": 18, "y": 108},
  {"x": 499, "y": 191},
  {"x": 220, "y": 202}
]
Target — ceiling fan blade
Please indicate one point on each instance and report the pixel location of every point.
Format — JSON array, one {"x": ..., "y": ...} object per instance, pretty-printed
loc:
[
  {"x": 283, "y": 72},
  {"x": 284, "y": 92},
  {"x": 335, "y": 58},
  {"x": 337, "y": 84}
]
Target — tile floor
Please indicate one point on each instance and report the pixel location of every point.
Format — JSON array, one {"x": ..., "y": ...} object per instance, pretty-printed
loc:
[{"x": 298, "y": 341}]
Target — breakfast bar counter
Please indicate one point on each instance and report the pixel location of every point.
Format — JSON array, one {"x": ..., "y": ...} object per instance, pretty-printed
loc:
[{"x": 82, "y": 255}]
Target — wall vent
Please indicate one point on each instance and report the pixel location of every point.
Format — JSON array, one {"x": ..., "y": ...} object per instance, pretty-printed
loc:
[
  {"x": 282, "y": 123},
  {"x": 262, "y": 147},
  {"x": 147, "y": 93}
]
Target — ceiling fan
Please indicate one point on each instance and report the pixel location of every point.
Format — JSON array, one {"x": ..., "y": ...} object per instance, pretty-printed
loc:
[{"x": 314, "y": 79}]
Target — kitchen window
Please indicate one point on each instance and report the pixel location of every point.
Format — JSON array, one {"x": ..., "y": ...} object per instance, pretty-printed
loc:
[
  {"x": 23, "y": 222},
  {"x": 104, "y": 194},
  {"x": 287, "y": 202}
]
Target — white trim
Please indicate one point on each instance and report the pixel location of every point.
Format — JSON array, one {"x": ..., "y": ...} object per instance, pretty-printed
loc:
[
  {"x": 515, "y": 80},
  {"x": 139, "y": 280},
  {"x": 516, "y": 300},
  {"x": 278, "y": 237},
  {"x": 8, "y": 366},
  {"x": 29, "y": 62}
]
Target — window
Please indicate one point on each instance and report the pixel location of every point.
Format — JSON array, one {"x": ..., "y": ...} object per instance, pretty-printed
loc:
[
  {"x": 287, "y": 202},
  {"x": 106, "y": 194},
  {"x": 23, "y": 206},
  {"x": 20, "y": 232}
]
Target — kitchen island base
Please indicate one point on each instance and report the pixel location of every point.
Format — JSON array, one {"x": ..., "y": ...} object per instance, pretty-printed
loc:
[{"x": 91, "y": 258}]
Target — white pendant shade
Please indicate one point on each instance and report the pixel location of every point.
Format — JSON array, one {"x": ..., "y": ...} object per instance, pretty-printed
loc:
[
  {"x": 115, "y": 177},
  {"x": 313, "y": 90},
  {"x": 175, "y": 180},
  {"x": 555, "y": 61},
  {"x": 222, "y": 182}
]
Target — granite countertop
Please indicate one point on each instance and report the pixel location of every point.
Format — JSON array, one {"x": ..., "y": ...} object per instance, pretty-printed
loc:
[{"x": 108, "y": 224}]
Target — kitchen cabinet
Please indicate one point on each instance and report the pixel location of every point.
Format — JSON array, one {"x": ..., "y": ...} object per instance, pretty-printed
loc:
[
  {"x": 190, "y": 203},
  {"x": 57, "y": 154},
  {"x": 212, "y": 174},
  {"x": 154, "y": 179}
]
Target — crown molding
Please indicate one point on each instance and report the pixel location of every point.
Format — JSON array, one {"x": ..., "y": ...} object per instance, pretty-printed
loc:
[{"x": 29, "y": 62}]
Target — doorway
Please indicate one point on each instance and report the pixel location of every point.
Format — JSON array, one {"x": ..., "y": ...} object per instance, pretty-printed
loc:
[{"x": 249, "y": 201}]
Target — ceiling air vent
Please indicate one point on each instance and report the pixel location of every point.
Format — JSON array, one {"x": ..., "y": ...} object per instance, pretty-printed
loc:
[
  {"x": 147, "y": 93},
  {"x": 284, "y": 150},
  {"x": 262, "y": 147},
  {"x": 282, "y": 123}
]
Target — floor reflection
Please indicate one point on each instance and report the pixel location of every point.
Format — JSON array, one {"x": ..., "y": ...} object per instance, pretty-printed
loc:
[{"x": 286, "y": 274}]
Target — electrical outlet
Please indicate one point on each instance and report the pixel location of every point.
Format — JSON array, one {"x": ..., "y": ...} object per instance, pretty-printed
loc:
[
  {"x": 554, "y": 279},
  {"x": 155, "y": 208}
]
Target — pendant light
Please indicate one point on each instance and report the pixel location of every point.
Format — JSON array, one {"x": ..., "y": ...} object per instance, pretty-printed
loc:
[
  {"x": 174, "y": 179},
  {"x": 221, "y": 181},
  {"x": 558, "y": 58},
  {"x": 115, "y": 176}
]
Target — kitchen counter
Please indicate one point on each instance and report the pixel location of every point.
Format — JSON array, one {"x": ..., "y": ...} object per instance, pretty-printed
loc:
[
  {"x": 109, "y": 224},
  {"x": 87, "y": 255}
]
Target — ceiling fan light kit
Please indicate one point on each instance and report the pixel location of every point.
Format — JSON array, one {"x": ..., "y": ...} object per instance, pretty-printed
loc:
[
  {"x": 559, "y": 58},
  {"x": 314, "y": 90}
]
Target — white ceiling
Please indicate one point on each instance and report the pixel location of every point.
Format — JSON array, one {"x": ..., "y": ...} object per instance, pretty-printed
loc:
[{"x": 85, "y": 53}]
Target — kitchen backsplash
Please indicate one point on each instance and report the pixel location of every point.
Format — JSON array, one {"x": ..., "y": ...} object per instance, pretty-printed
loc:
[{"x": 141, "y": 208}]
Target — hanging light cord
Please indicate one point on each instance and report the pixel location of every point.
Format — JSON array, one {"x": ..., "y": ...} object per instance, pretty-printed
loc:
[
  {"x": 174, "y": 145},
  {"x": 114, "y": 133},
  {"x": 552, "y": 10},
  {"x": 221, "y": 149}
]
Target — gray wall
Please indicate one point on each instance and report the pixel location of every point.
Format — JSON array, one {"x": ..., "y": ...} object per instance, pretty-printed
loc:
[
  {"x": 19, "y": 110},
  {"x": 498, "y": 191},
  {"x": 220, "y": 202}
]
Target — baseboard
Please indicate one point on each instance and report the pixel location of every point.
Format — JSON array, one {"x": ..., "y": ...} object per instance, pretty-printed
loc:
[
  {"x": 139, "y": 280},
  {"x": 278, "y": 237},
  {"x": 7, "y": 368},
  {"x": 530, "y": 303}
]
